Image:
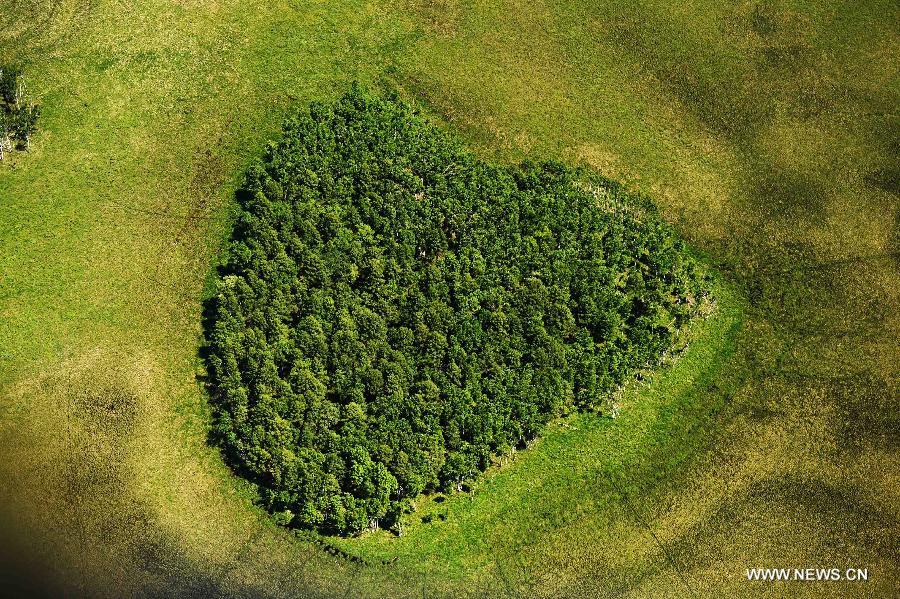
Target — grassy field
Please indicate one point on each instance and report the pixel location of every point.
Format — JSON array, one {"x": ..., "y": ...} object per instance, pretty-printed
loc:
[{"x": 768, "y": 133}]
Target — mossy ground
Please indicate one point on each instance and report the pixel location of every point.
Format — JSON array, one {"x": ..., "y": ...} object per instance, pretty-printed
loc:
[{"x": 768, "y": 134}]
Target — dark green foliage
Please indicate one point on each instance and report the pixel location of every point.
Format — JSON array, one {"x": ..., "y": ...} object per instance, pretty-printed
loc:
[
  {"x": 18, "y": 116},
  {"x": 9, "y": 83},
  {"x": 394, "y": 312}
]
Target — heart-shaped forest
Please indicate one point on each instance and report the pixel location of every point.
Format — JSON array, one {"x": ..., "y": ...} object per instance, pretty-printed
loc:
[{"x": 393, "y": 311}]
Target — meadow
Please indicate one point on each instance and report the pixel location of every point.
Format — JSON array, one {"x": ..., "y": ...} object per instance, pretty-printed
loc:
[{"x": 768, "y": 135}]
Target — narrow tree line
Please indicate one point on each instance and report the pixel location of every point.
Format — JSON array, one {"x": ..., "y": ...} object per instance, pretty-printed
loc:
[{"x": 18, "y": 113}]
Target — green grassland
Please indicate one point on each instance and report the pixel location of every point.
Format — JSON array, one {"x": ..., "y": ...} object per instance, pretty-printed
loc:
[{"x": 767, "y": 132}]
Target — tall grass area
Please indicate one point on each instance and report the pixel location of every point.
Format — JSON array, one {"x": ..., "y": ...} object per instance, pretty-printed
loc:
[{"x": 766, "y": 131}]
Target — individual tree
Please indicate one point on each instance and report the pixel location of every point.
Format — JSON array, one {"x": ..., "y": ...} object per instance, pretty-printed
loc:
[
  {"x": 18, "y": 116},
  {"x": 11, "y": 84}
]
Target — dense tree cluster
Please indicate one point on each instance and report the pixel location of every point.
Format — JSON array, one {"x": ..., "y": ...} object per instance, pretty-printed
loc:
[
  {"x": 18, "y": 115},
  {"x": 393, "y": 311}
]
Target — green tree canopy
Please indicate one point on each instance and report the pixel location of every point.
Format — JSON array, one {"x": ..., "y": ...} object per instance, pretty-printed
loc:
[{"x": 393, "y": 311}]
